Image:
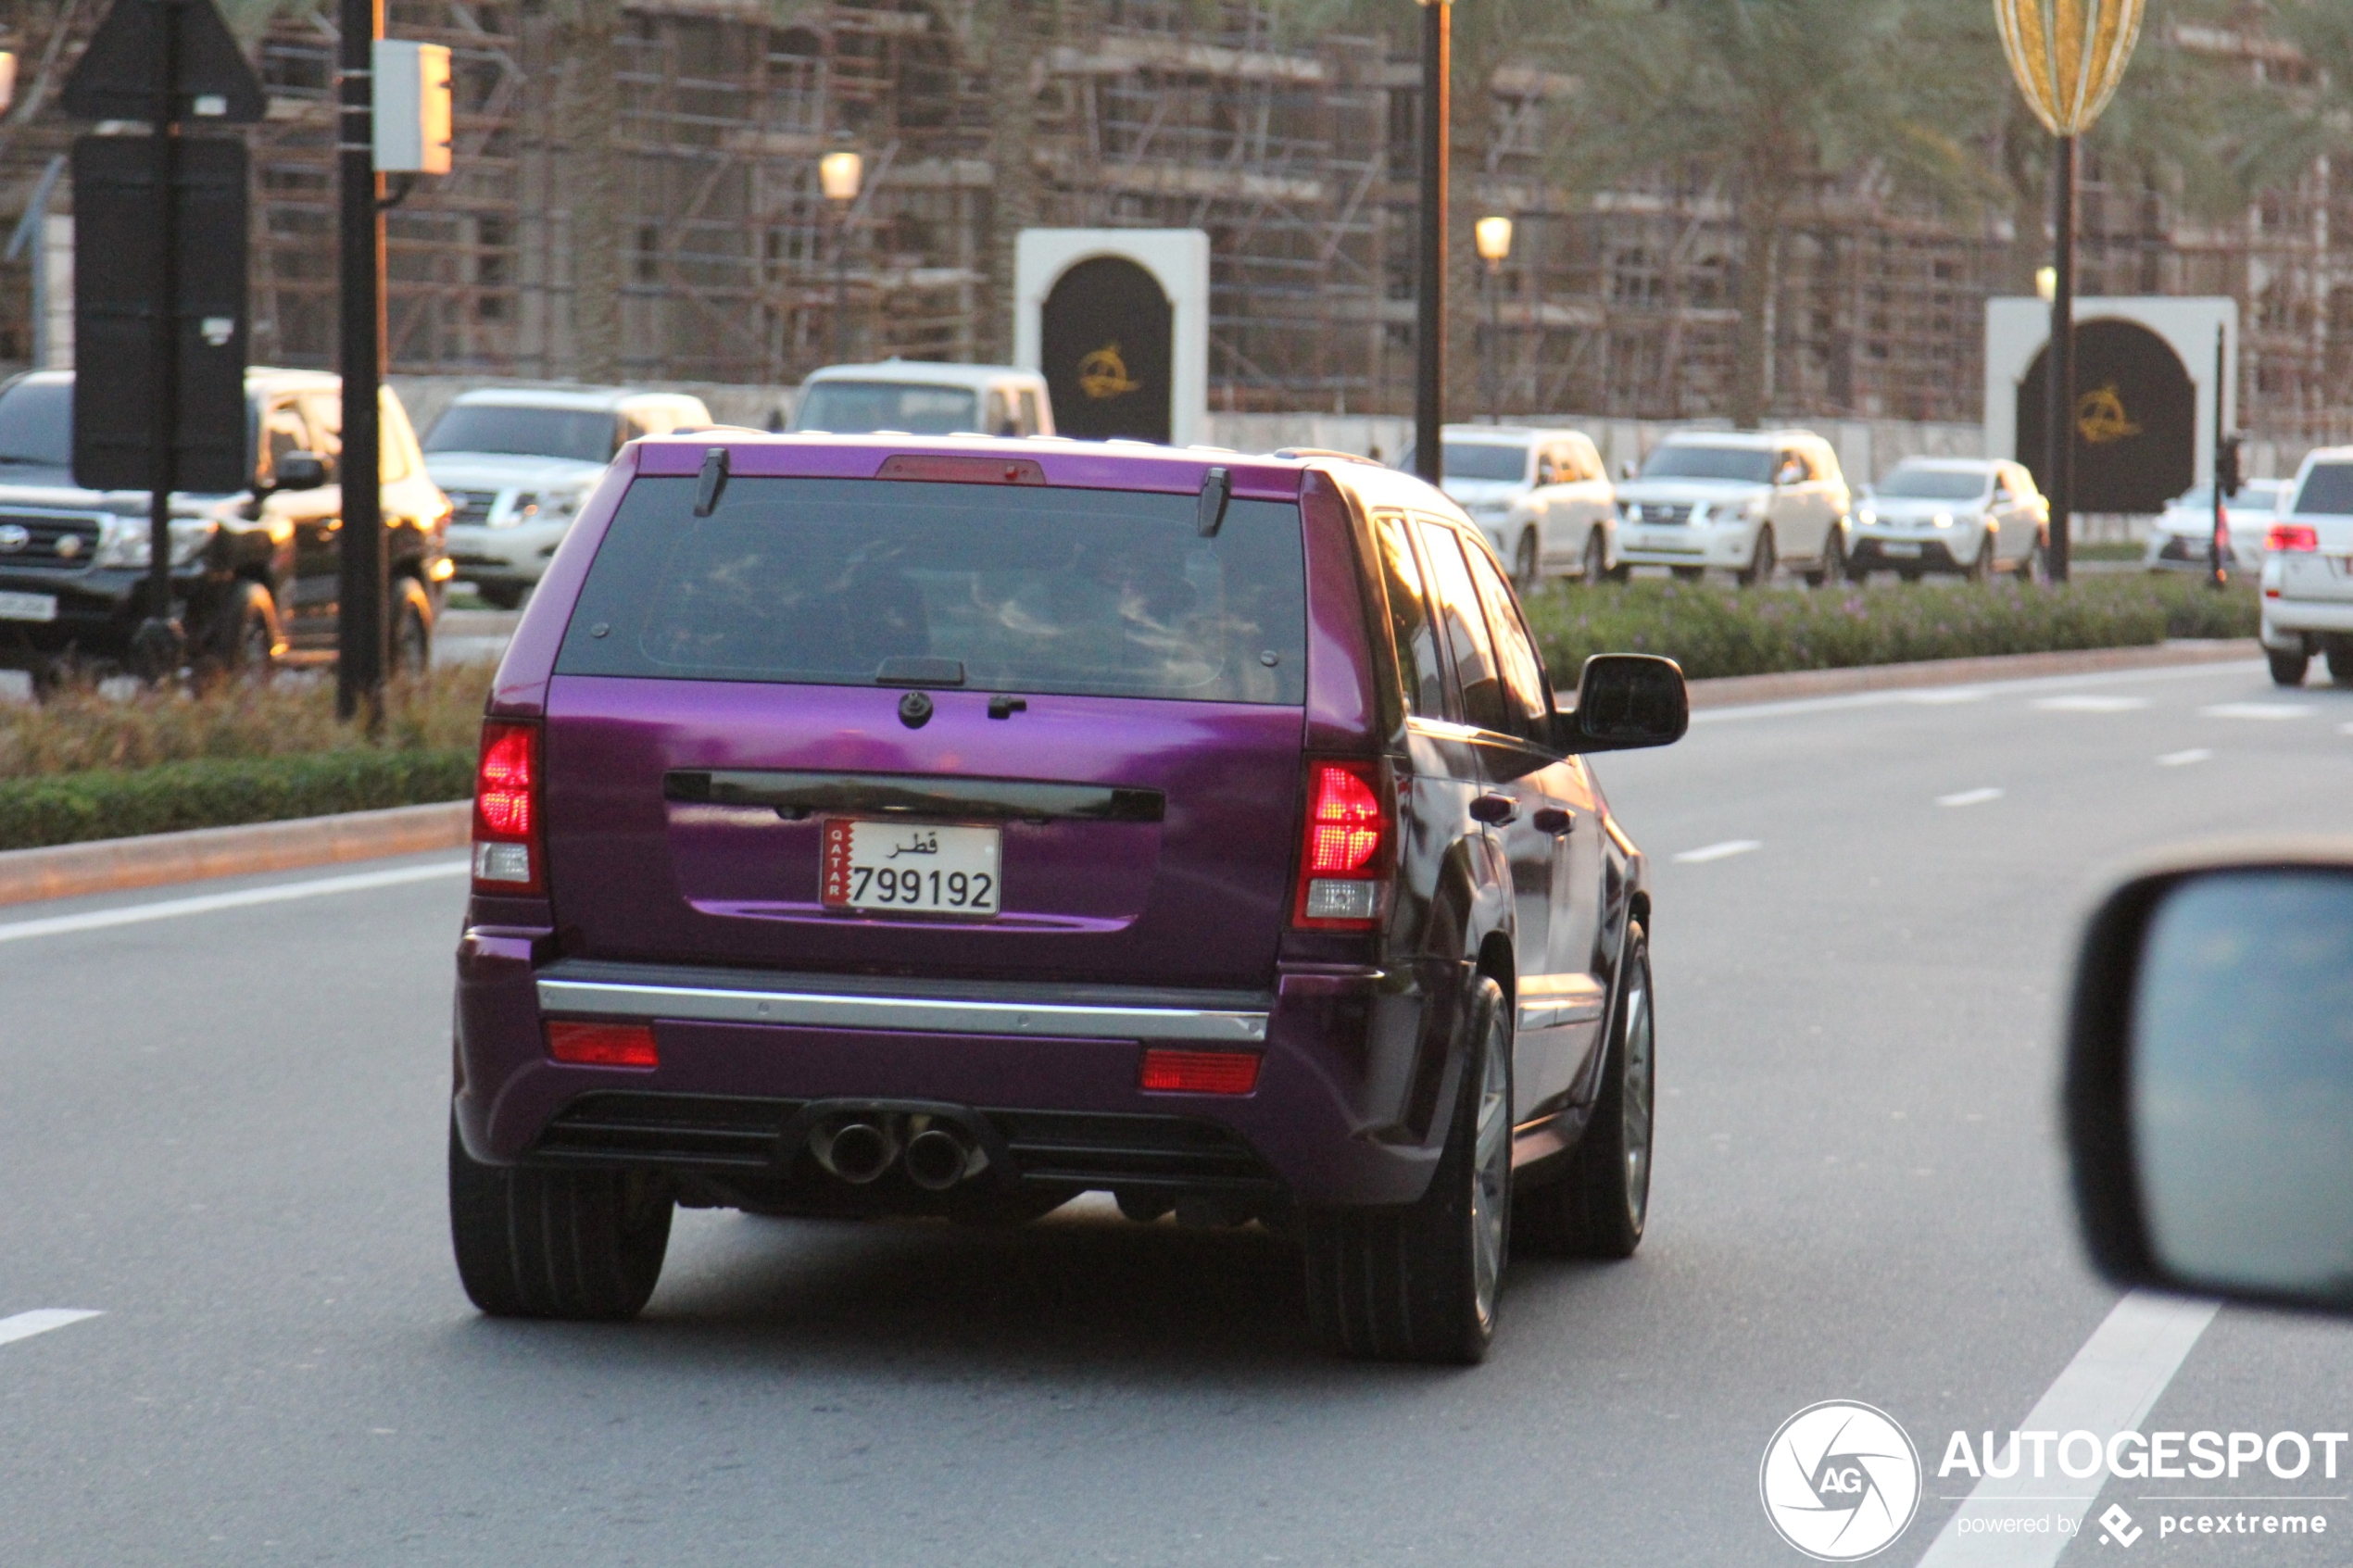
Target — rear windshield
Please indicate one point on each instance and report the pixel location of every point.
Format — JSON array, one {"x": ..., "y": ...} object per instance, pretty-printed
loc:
[
  {"x": 1101, "y": 593},
  {"x": 37, "y": 424},
  {"x": 858, "y": 407},
  {"x": 2327, "y": 489},
  {"x": 1749, "y": 465},
  {"x": 1933, "y": 484},
  {"x": 584, "y": 434}
]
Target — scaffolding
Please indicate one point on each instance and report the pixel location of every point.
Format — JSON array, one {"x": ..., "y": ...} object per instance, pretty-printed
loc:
[{"x": 1294, "y": 154}]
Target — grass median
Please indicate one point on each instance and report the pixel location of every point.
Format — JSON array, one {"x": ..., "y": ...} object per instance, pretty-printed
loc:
[
  {"x": 90, "y": 765},
  {"x": 1714, "y": 631}
]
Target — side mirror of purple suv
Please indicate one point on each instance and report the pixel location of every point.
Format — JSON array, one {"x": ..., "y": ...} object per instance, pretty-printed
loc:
[{"x": 949, "y": 826}]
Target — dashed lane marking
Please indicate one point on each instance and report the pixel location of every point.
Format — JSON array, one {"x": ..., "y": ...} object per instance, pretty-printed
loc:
[
  {"x": 2256, "y": 710},
  {"x": 276, "y": 893},
  {"x": 1723, "y": 851},
  {"x": 2184, "y": 758},
  {"x": 24, "y": 1325},
  {"x": 2087, "y": 703},
  {"x": 1970, "y": 798}
]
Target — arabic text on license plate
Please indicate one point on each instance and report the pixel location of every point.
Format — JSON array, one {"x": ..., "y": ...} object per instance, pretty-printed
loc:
[
  {"x": 1900, "y": 548},
  {"x": 919, "y": 868},
  {"x": 28, "y": 607}
]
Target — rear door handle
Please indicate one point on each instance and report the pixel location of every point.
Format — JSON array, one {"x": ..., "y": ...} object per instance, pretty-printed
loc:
[
  {"x": 1494, "y": 809},
  {"x": 1555, "y": 820}
]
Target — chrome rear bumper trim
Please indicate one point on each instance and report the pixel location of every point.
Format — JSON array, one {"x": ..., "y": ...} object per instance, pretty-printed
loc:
[{"x": 919, "y": 1014}]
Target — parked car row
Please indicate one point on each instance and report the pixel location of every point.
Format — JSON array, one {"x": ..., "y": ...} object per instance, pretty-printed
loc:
[{"x": 1751, "y": 503}]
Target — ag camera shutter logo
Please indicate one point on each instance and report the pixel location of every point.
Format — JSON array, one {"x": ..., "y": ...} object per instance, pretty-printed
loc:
[{"x": 1840, "y": 1481}]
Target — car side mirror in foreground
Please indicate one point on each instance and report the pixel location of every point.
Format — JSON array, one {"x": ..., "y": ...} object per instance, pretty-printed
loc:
[
  {"x": 2210, "y": 1080},
  {"x": 301, "y": 471},
  {"x": 1625, "y": 701}
]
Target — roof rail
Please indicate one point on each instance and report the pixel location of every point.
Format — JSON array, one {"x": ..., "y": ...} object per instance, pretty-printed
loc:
[{"x": 1290, "y": 453}]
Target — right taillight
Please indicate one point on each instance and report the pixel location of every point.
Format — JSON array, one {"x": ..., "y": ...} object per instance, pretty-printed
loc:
[
  {"x": 1349, "y": 851},
  {"x": 2292, "y": 537},
  {"x": 508, "y": 853}
]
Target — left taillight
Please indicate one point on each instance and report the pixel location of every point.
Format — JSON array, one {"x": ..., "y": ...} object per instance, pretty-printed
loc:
[
  {"x": 1349, "y": 851},
  {"x": 2293, "y": 537},
  {"x": 508, "y": 857}
]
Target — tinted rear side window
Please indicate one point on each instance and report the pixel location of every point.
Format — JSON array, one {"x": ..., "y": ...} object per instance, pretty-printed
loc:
[
  {"x": 1042, "y": 590},
  {"x": 2328, "y": 489}
]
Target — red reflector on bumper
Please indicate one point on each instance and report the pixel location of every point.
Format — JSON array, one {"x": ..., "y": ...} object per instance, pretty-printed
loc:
[
  {"x": 1200, "y": 1072},
  {"x": 603, "y": 1045}
]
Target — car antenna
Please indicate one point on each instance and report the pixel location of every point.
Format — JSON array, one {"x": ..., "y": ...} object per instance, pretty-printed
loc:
[
  {"x": 713, "y": 481},
  {"x": 1216, "y": 488}
]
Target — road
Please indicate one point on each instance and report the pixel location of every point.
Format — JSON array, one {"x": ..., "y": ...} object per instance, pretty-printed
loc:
[{"x": 223, "y": 1133}]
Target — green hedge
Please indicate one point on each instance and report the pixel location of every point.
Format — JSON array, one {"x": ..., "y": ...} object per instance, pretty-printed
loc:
[
  {"x": 1718, "y": 630},
  {"x": 208, "y": 793}
]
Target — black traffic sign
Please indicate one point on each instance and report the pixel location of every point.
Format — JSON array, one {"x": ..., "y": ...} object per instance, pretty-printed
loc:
[{"x": 211, "y": 79}]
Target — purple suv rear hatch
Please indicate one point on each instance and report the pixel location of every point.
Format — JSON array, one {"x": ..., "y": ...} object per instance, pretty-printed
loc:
[{"x": 1114, "y": 699}]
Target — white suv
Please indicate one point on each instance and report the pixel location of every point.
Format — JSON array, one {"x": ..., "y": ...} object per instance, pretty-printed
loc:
[
  {"x": 2308, "y": 572},
  {"x": 1495, "y": 473},
  {"x": 1745, "y": 501},
  {"x": 516, "y": 463}
]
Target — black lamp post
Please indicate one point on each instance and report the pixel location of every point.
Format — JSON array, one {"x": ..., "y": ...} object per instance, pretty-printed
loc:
[
  {"x": 1493, "y": 238},
  {"x": 838, "y": 174},
  {"x": 1429, "y": 293}
]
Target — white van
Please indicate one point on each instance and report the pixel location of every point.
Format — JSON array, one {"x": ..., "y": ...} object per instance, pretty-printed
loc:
[{"x": 919, "y": 397}]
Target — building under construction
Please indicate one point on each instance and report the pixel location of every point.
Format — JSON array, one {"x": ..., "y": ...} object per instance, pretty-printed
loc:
[{"x": 1296, "y": 155}]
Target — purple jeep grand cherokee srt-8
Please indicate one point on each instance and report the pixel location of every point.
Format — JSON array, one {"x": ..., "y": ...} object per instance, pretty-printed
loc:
[{"x": 906, "y": 826}]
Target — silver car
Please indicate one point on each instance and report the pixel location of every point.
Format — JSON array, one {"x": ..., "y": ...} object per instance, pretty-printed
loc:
[{"x": 2180, "y": 540}]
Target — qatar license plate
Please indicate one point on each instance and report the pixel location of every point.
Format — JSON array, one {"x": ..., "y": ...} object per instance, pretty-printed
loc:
[
  {"x": 28, "y": 607},
  {"x": 1900, "y": 548},
  {"x": 913, "y": 868}
]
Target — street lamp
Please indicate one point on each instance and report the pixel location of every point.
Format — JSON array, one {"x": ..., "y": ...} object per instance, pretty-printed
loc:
[
  {"x": 2068, "y": 56},
  {"x": 1493, "y": 238},
  {"x": 1430, "y": 292},
  {"x": 838, "y": 176}
]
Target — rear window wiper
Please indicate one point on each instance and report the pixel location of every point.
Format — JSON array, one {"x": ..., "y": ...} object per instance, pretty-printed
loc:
[{"x": 910, "y": 672}]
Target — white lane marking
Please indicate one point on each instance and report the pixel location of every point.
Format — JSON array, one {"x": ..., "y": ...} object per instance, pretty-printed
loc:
[
  {"x": 1970, "y": 798},
  {"x": 2087, "y": 703},
  {"x": 276, "y": 893},
  {"x": 2114, "y": 1381},
  {"x": 24, "y": 1325},
  {"x": 1943, "y": 696},
  {"x": 2184, "y": 758},
  {"x": 1723, "y": 851},
  {"x": 2256, "y": 710},
  {"x": 1796, "y": 706}
]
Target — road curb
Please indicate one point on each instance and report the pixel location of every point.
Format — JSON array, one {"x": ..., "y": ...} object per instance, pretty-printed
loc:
[
  {"x": 1734, "y": 691},
  {"x": 117, "y": 865}
]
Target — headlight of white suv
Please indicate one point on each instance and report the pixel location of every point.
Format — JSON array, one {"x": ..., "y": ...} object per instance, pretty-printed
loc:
[
  {"x": 1866, "y": 518},
  {"x": 1942, "y": 519},
  {"x": 123, "y": 541}
]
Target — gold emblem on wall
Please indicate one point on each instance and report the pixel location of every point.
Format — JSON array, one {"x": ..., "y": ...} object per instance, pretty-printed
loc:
[
  {"x": 1104, "y": 374},
  {"x": 2100, "y": 418}
]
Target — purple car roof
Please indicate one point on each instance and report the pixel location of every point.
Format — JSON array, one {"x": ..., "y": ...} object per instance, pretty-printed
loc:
[{"x": 1086, "y": 465}]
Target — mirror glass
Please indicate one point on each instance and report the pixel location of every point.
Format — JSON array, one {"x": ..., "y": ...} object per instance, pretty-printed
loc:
[
  {"x": 2241, "y": 1080},
  {"x": 1631, "y": 699}
]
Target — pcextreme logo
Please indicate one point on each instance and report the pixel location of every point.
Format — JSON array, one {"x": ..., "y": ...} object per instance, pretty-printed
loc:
[{"x": 1840, "y": 1481}]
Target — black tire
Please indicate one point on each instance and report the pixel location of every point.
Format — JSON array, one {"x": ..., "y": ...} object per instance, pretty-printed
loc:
[
  {"x": 2030, "y": 564},
  {"x": 1762, "y": 564},
  {"x": 1419, "y": 1283},
  {"x": 243, "y": 636},
  {"x": 2287, "y": 668},
  {"x": 1688, "y": 573},
  {"x": 1600, "y": 1208},
  {"x": 411, "y": 642},
  {"x": 1527, "y": 568},
  {"x": 1981, "y": 566},
  {"x": 579, "y": 1245},
  {"x": 1833, "y": 567},
  {"x": 2340, "y": 658},
  {"x": 502, "y": 595},
  {"x": 1596, "y": 557},
  {"x": 1908, "y": 573}
]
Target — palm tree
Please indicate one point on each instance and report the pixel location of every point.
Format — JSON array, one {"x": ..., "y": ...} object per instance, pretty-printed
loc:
[{"x": 1774, "y": 98}]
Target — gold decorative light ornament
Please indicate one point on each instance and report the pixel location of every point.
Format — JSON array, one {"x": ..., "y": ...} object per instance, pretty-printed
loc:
[{"x": 2068, "y": 55}]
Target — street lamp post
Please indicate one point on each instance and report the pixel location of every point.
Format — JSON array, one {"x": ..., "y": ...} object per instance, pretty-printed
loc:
[
  {"x": 837, "y": 175},
  {"x": 2068, "y": 56},
  {"x": 1493, "y": 237},
  {"x": 1429, "y": 293}
]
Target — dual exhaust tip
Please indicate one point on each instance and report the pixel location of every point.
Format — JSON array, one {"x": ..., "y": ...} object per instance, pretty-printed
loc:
[{"x": 935, "y": 1153}]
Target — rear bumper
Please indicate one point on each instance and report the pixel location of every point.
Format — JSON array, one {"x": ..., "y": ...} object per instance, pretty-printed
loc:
[
  {"x": 2286, "y": 620},
  {"x": 1346, "y": 1099}
]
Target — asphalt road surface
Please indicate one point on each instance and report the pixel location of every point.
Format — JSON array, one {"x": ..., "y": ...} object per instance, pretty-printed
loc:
[{"x": 222, "y": 1132}]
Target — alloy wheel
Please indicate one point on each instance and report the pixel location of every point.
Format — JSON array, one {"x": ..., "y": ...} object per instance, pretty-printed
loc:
[
  {"x": 1636, "y": 1102},
  {"x": 1492, "y": 1171}
]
